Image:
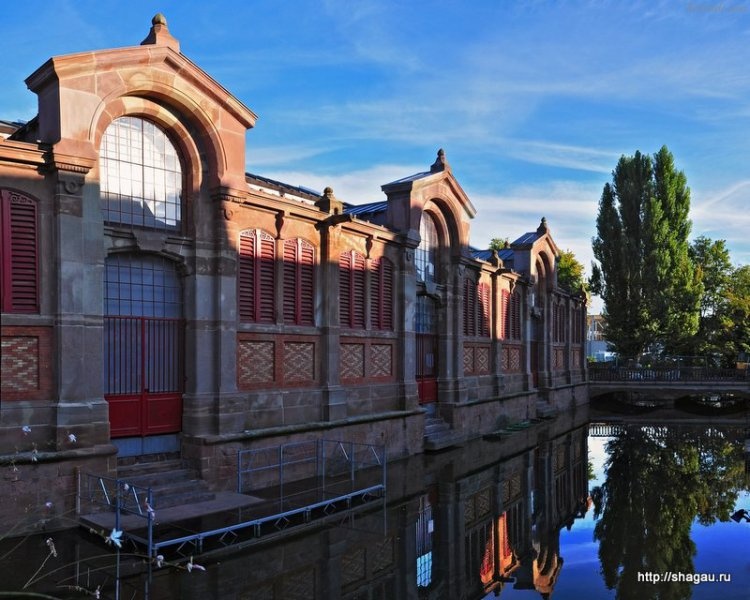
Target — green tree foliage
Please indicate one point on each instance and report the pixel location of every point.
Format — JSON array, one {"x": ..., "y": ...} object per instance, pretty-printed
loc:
[
  {"x": 658, "y": 480},
  {"x": 644, "y": 272},
  {"x": 735, "y": 317},
  {"x": 499, "y": 243},
  {"x": 570, "y": 272},
  {"x": 714, "y": 268}
]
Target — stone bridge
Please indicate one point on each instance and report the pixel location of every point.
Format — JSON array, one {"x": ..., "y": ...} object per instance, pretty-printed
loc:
[{"x": 669, "y": 382}]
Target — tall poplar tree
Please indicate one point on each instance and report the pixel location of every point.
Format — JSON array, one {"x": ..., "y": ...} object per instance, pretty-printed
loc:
[{"x": 645, "y": 276}]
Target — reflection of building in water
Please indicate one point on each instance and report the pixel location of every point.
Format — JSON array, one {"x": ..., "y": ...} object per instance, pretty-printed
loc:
[
  {"x": 500, "y": 526},
  {"x": 458, "y": 526}
]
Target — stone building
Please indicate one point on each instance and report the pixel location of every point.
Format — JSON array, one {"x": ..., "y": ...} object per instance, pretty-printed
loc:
[{"x": 157, "y": 299}]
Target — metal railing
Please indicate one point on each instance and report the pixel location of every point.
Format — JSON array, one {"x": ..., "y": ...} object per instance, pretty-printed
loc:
[
  {"x": 99, "y": 493},
  {"x": 667, "y": 374},
  {"x": 326, "y": 461},
  {"x": 300, "y": 482}
]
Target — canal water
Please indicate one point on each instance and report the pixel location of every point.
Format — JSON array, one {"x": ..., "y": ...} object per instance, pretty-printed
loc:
[{"x": 633, "y": 507}]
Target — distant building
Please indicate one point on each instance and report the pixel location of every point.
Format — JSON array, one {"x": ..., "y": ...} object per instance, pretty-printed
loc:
[
  {"x": 158, "y": 299},
  {"x": 597, "y": 347}
]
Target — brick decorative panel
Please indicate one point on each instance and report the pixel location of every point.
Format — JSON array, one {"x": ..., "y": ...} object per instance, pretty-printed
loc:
[
  {"x": 576, "y": 452},
  {"x": 515, "y": 359},
  {"x": 20, "y": 364},
  {"x": 558, "y": 360},
  {"x": 483, "y": 502},
  {"x": 381, "y": 554},
  {"x": 515, "y": 485},
  {"x": 506, "y": 359},
  {"x": 576, "y": 358},
  {"x": 299, "y": 362},
  {"x": 468, "y": 359},
  {"x": 482, "y": 359},
  {"x": 299, "y": 585},
  {"x": 258, "y": 592},
  {"x": 26, "y": 368},
  {"x": 381, "y": 360},
  {"x": 352, "y": 567},
  {"x": 469, "y": 513},
  {"x": 559, "y": 459},
  {"x": 255, "y": 362},
  {"x": 506, "y": 491},
  {"x": 352, "y": 361}
]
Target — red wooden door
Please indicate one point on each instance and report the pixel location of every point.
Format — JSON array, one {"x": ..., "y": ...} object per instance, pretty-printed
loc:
[
  {"x": 143, "y": 375},
  {"x": 427, "y": 368}
]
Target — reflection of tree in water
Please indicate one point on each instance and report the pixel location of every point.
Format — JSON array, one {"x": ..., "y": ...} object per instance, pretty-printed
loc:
[{"x": 658, "y": 480}]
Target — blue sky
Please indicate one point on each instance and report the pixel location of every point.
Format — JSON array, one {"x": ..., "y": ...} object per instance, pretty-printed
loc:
[{"x": 533, "y": 102}]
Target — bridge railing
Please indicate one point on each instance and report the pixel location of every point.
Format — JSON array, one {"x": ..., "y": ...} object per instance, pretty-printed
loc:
[{"x": 666, "y": 374}]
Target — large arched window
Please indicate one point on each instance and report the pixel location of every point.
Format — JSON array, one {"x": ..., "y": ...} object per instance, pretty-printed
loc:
[
  {"x": 141, "y": 177},
  {"x": 426, "y": 255}
]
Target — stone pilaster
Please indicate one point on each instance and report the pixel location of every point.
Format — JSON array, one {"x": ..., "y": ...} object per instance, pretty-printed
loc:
[{"x": 78, "y": 309}]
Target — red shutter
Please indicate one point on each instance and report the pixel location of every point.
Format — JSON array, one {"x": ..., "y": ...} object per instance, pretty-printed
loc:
[
  {"x": 470, "y": 307},
  {"x": 484, "y": 310},
  {"x": 516, "y": 310},
  {"x": 290, "y": 281},
  {"x": 345, "y": 289},
  {"x": 466, "y": 307},
  {"x": 246, "y": 279},
  {"x": 299, "y": 297},
  {"x": 505, "y": 315},
  {"x": 19, "y": 254},
  {"x": 267, "y": 279},
  {"x": 256, "y": 278},
  {"x": 358, "y": 291},
  {"x": 306, "y": 287},
  {"x": 376, "y": 294},
  {"x": 386, "y": 270}
]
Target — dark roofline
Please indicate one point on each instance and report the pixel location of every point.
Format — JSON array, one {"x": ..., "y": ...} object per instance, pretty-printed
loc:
[
  {"x": 371, "y": 208},
  {"x": 283, "y": 188}
]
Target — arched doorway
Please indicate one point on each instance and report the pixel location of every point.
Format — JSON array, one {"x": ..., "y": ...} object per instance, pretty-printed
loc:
[
  {"x": 143, "y": 341},
  {"x": 427, "y": 263}
]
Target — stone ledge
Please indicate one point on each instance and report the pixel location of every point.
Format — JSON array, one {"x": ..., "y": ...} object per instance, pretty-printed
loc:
[{"x": 302, "y": 427}]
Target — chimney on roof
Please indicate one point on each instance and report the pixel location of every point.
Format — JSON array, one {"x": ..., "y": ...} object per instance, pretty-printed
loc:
[
  {"x": 542, "y": 229},
  {"x": 159, "y": 34}
]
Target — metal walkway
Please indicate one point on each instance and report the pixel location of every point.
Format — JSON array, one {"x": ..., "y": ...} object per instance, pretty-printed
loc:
[{"x": 278, "y": 489}]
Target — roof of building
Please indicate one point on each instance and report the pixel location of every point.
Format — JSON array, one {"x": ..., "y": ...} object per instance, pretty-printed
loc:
[
  {"x": 361, "y": 210},
  {"x": 281, "y": 187}
]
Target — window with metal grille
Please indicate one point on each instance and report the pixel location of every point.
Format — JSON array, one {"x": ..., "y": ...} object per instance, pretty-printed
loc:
[
  {"x": 142, "y": 325},
  {"x": 19, "y": 284},
  {"x": 140, "y": 176},
  {"x": 381, "y": 293},
  {"x": 256, "y": 277},
  {"x": 299, "y": 296},
  {"x": 426, "y": 254},
  {"x": 142, "y": 286},
  {"x": 352, "y": 289}
]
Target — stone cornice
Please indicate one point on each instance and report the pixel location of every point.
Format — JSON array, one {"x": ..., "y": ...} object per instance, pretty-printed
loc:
[{"x": 23, "y": 153}]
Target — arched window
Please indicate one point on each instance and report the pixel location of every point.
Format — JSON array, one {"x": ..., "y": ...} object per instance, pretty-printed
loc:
[
  {"x": 426, "y": 255},
  {"x": 299, "y": 297},
  {"x": 256, "y": 277},
  {"x": 141, "y": 177}
]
